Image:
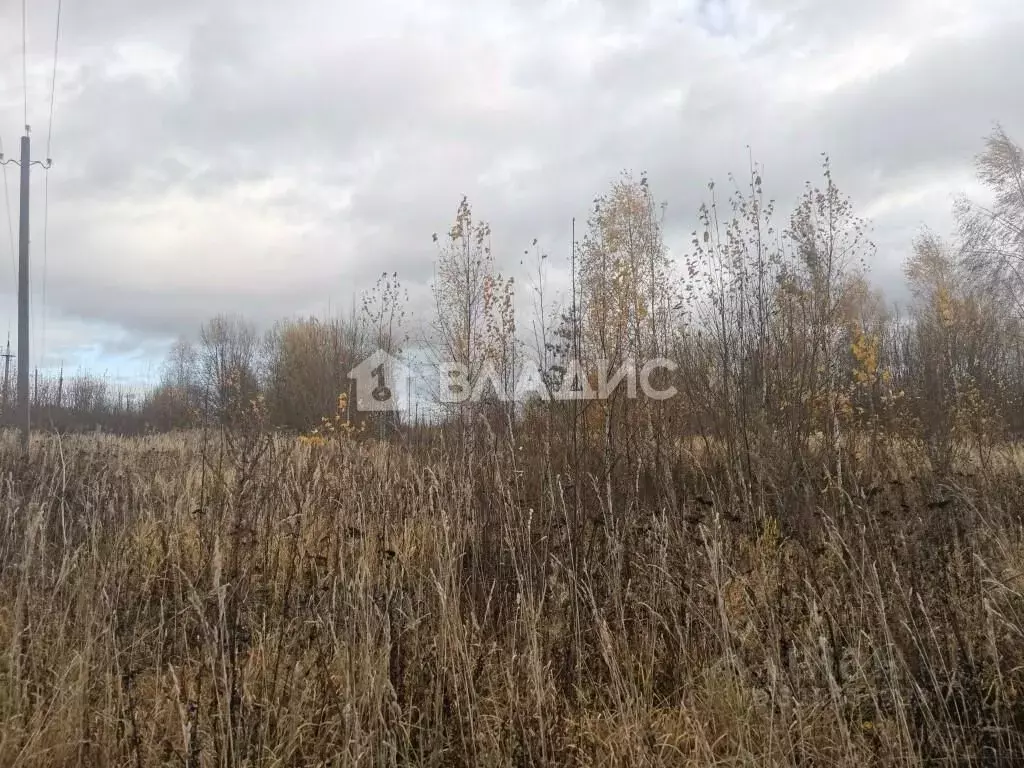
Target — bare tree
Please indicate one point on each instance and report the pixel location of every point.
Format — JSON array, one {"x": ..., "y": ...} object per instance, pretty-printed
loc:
[
  {"x": 384, "y": 310},
  {"x": 993, "y": 234},
  {"x": 545, "y": 315},
  {"x": 228, "y": 359},
  {"x": 464, "y": 266}
]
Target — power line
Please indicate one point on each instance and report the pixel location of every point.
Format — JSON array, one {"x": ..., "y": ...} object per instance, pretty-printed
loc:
[
  {"x": 46, "y": 181},
  {"x": 25, "y": 326},
  {"x": 10, "y": 220},
  {"x": 24, "y": 55},
  {"x": 53, "y": 79},
  {"x": 46, "y": 223},
  {"x": 24, "y": 87}
]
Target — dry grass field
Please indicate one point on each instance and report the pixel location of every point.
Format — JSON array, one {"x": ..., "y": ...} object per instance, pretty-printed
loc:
[{"x": 177, "y": 600}]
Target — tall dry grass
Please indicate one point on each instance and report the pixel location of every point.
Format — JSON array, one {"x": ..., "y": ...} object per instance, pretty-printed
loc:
[{"x": 170, "y": 601}]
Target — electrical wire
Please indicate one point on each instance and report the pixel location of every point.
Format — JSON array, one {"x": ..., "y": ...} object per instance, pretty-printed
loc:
[
  {"x": 24, "y": 55},
  {"x": 10, "y": 218},
  {"x": 46, "y": 181},
  {"x": 53, "y": 80},
  {"x": 10, "y": 230},
  {"x": 46, "y": 222}
]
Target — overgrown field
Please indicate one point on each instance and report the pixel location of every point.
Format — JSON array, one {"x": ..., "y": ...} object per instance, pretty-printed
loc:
[{"x": 175, "y": 601}]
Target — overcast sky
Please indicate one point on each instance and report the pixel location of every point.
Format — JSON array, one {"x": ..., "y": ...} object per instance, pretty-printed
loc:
[{"x": 270, "y": 158}]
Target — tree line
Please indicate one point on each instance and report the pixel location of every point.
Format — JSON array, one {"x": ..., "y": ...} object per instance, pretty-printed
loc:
[{"x": 776, "y": 333}]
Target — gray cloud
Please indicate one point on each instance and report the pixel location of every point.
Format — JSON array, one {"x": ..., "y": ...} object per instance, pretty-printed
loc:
[{"x": 266, "y": 159}]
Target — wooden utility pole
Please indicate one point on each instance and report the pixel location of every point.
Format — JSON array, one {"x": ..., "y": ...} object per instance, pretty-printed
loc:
[
  {"x": 26, "y": 163},
  {"x": 24, "y": 404},
  {"x": 23, "y": 296}
]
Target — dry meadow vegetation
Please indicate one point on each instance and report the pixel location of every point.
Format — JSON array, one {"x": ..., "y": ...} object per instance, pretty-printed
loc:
[
  {"x": 813, "y": 554},
  {"x": 268, "y": 602}
]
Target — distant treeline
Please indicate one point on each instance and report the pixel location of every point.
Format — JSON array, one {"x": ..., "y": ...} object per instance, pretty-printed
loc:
[{"x": 772, "y": 324}]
